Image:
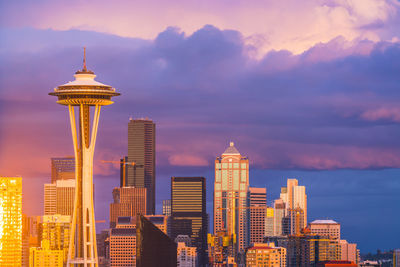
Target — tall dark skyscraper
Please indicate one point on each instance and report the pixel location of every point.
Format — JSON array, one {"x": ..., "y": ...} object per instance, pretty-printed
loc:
[
  {"x": 62, "y": 168},
  {"x": 188, "y": 211},
  {"x": 142, "y": 151}
]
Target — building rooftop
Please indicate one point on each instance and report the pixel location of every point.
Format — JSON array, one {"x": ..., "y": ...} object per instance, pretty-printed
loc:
[
  {"x": 231, "y": 150},
  {"x": 324, "y": 222}
]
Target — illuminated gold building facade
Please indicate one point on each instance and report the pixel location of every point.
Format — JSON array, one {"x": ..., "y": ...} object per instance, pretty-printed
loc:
[
  {"x": 261, "y": 254},
  {"x": 10, "y": 221},
  {"x": 45, "y": 257}
]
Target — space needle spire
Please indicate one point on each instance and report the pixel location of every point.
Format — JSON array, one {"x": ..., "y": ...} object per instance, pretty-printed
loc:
[{"x": 81, "y": 95}]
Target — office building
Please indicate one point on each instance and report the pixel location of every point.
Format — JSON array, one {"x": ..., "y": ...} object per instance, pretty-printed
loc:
[
  {"x": 279, "y": 215},
  {"x": 62, "y": 168},
  {"x": 59, "y": 197},
  {"x": 45, "y": 257},
  {"x": 166, "y": 207},
  {"x": 128, "y": 201},
  {"x": 269, "y": 222},
  {"x": 260, "y": 254},
  {"x": 153, "y": 246},
  {"x": 123, "y": 247},
  {"x": 30, "y": 236},
  {"x": 10, "y": 221},
  {"x": 55, "y": 230},
  {"x": 326, "y": 228},
  {"x": 348, "y": 251},
  {"x": 231, "y": 197},
  {"x": 295, "y": 198},
  {"x": 188, "y": 211},
  {"x": 141, "y": 151},
  {"x": 258, "y": 210},
  {"x": 186, "y": 256}
]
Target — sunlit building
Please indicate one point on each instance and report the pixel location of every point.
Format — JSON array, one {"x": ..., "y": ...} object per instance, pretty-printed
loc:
[
  {"x": 279, "y": 215},
  {"x": 50, "y": 198},
  {"x": 128, "y": 201},
  {"x": 30, "y": 237},
  {"x": 10, "y": 221},
  {"x": 166, "y": 207},
  {"x": 59, "y": 197},
  {"x": 327, "y": 228},
  {"x": 260, "y": 254},
  {"x": 142, "y": 151},
  {"x": 123, "y": 247},
  {"x": 62, "y": 168},
  {"x": 55, "y": 230},
  {"x": 45, "y": 257},
  {"x": 231, "y": 197},
  {"x": 186, "y": 256},
  {"x": 188, "y": 211},
  {"x": 269, "y": 222},
  {"x": 348, "y": 251},
  {"x": 258, "y": 209},
  {"x": 220, "y": 246}
]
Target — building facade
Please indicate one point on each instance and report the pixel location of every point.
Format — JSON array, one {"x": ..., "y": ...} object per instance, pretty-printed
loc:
[
  {"x": 186, "y": 256},
  {"x": 10, "y": 221},
  {"x": 258, "y": 210},
  {"x": 62, "y": 168},
  {"x": 45, "y": 257},
  {"x": 128, "y": 201},
  {"x": 348, "y": 251},
  {"x": 188, "y": 211},
  {"x": 142, "y": 151},
  {"x": 231, "y": 197},
  {"x": 59, "y": 197},
  {"x": 260, "y": 254},
  {"x": 279, "y": 215},
  {"x": 327, "y": 228},
  {"x": 166, "y": 207},
  {"x": 269, "y": 222}
]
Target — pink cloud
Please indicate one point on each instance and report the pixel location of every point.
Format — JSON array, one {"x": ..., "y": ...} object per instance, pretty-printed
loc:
[
  {"x": 187, "y": 160},
  {"x": 391, "y": 114}
]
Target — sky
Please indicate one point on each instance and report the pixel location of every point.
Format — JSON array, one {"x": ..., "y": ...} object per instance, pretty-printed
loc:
[{"x": 305, "y": 89}]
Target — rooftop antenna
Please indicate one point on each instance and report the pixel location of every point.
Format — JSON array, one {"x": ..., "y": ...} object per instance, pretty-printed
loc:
[{"x": 84, "y": 59}]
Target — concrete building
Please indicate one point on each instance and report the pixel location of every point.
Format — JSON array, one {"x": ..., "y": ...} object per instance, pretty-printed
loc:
[
  {"x": 260, "y": 254},
  {"x": 62, "y": 168},
  {"x": 231, "y": 198},
  {"x": 142, "y": 151},
  {"x": 258, "y": 210},
  {"x": 10, "y": 221},
  {"x": 50, "y": 199},
  {"x": 188, "y": 211},
  {"x": 327, "y": 228},
  {"x": 186, "y": 256},
  {"x": 122, "y": 247},
  {"x": 128, "y": 201},
  {"x": 348, "y": 251},
  {"x": 45, "y": 257}
]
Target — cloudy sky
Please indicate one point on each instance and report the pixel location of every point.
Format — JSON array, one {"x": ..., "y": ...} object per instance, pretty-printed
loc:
[{"x": 305, "y": 89}]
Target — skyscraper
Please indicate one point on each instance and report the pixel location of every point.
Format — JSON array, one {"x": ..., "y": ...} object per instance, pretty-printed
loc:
[
  {"x": 10, "y": 221},
  {"x": 166, "y": 207},
  {"x": 326, "y": 228},
  {"x": 269, "y": 222},
  {"x": 59, "y": 197},
  {"x": 279, "y": 214},
  {"x": 142, "y": 151},
  {"x": 62, "y": 168},
  {"x": 128, "y": 201},
  {"x": 45, "y": 257},
  {"x": 295, "y": 198},
  {"x": 231, "y": 197},
  {"x": 188, "y": 211},
  {"x": 258, "y": 208},
  {"x": 82, "y": 94}
]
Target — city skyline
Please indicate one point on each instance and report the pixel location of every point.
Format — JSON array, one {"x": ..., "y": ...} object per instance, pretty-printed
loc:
[{"x": 322, "y": 110}]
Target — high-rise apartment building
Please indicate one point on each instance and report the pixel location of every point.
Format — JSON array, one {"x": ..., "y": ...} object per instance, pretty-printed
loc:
[
  {"x": 128, "y": 201},
  {"x": 295, "y": 198},
  {"x": 142, "y": 151},
  {"x": 59, "y": 197},
  {"x": 188, "y": 211},
  {"x": 62, "y": 168},
  {"x": 122, "y": 247},
  {"x": 10, "y": 221},
  {"x": 258, "y": 209},
  {"x": 260, "y": 254},
  {"x": 326, "y": 228},
  {"x": 231, "y": 197}
]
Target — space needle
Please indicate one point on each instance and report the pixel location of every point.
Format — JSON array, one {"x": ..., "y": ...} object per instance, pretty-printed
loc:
[{"x": 81, "y": 95}]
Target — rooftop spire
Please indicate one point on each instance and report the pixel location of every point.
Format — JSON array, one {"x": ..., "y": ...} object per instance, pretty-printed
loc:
[{"x": 84, "y": 59}]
